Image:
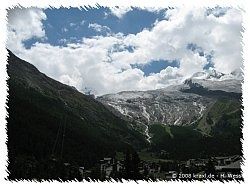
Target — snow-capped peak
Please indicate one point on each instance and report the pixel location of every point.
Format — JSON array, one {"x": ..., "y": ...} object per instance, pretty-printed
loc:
[
  {"x": 213, "y": 75},
  {"x": 209, "y": 74}
]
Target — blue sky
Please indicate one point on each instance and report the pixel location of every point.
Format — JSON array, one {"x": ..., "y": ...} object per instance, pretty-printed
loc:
[
  {"x": 71, "y": 25},
  {"x": 64, "y": 26},
  {"x": 76, "y": 21},
  {"x": 108, "y": 50}
]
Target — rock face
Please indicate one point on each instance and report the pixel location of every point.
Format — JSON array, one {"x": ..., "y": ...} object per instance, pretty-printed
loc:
[
  {"x": 163, "y": 106},
  {"x": 180, "y": 105}
]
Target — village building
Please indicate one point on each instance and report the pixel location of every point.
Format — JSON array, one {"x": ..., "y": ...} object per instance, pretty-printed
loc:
[
  {"x": 228, "y": 165},
  {"x": 109, "y": 165}
]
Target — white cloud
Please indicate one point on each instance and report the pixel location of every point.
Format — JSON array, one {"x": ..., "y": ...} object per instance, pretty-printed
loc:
[
  {"x": 72, "y": 24},
  {"x": 166, "y": 77},
  {"x": 104, "y": 63},
  {"x": 82, "y": 22},
  {"x": 63, "y": 41},
  {"x": 217, "y": 11},
  {"x": 24, "y": 24},
  {"x": 168, "y": 39},
  {"x": 64, "y": 30},
  {"x": 98, "y": 27},
  {"x": 120, "y": 11}
]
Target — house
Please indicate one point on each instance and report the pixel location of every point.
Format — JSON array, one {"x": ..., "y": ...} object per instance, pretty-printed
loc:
[
  {"x": 222, "y": 161},
  {"x": 225, "y": 165},
  {"x": 82, "y": 170},
  {"x": 196, "y": 162},
  {"x": 152, "y": 168},
  {"x": 109, "y": 165},
  {"x": 119, "y": 166}
]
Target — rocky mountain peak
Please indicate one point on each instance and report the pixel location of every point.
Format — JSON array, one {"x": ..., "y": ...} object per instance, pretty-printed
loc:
[{"x": 176, "y": 105}]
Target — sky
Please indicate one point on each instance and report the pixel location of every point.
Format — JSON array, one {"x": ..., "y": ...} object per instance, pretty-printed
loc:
[{"x": 107, "y": 50}]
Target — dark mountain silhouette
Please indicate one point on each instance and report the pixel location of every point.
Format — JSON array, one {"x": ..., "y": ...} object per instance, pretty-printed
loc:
[{"x": 50, "y": 121}]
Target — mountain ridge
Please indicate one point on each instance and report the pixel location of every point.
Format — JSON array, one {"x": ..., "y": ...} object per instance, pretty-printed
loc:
[
  {"x": 39, "y": 107},
  {"x": 182, "y": 104},
  {"x": 192, "y": 119}
]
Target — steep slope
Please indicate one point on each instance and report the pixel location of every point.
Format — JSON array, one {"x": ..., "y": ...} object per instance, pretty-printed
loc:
[
  {"x": 165, "y": 106},
  {"x": 210, "y": 86},
  {"x": 48, "y": 119},
  {"x": 181, "y": 105},
  {"x": 213, "y": 75},
  {"x": 195, "y": 119},
  {"x": 217, "y": 133}
]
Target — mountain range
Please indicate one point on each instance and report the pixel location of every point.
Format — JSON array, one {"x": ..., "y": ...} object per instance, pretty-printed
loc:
[
  {"x": 197, "y": 118},
  {"x": 49, "y": 120},
  {"x": 180, "y": 105}
]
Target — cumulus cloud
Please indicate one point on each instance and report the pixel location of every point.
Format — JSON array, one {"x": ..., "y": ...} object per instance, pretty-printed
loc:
[
  {"x": 24, "y": 24},
  {"x": 98, "y": 27},
  {"x": 168, "y": 39},
  {"x": 120, "y": 11},
  {"x": 105, "y": 63}
]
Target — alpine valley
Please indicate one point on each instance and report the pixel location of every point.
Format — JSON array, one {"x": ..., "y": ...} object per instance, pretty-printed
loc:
[
  {"x": 50, "y": 121},
  {"x": 197, "y": 118}
]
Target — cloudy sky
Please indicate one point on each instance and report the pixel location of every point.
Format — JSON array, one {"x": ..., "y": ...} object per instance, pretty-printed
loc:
[{"x": 107, "y": 50}]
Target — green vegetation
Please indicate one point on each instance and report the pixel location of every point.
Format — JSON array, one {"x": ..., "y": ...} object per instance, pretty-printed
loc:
[
  {"x": 178, "y": 146},
  {"x": 38, "y": 106},
  {"x": 220, "y": 108},
  {"x": 159, "y": 133},
  {"x": 223, "y": 120},
  {"x": 51, "y": 125}
]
